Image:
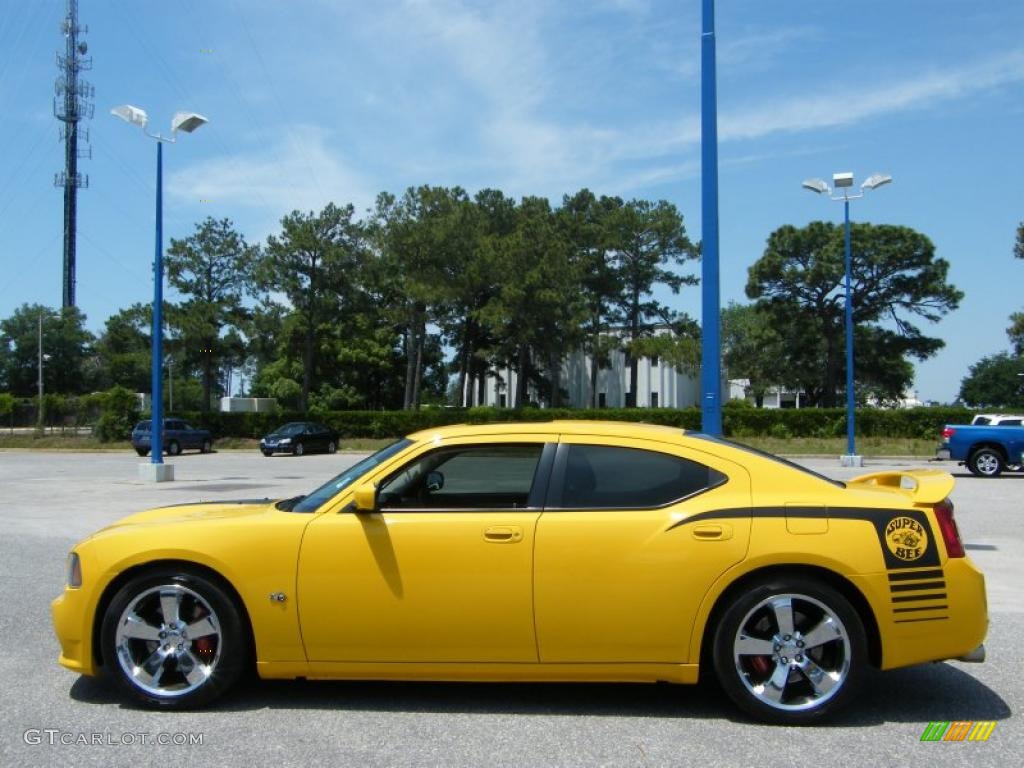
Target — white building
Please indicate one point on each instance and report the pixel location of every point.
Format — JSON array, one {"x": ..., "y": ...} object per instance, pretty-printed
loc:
[{"x": 659, "y": 385}]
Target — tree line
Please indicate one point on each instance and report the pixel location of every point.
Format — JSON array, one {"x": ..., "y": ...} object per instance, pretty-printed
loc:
[{"x": 431, "y": 293}]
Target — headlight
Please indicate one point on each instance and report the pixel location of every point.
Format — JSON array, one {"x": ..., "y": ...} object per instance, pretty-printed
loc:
[
  {"x": 74, "y": 570},
  {"x": 284, "y": 441}
]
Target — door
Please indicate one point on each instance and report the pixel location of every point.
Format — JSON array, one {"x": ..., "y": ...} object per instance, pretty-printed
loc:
[
  {"x": 621, "y": 564},
  {"x": 443, "y": 572}
]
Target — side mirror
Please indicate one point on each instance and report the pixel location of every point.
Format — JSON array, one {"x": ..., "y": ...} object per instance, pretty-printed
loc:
[
  {"x": 435, "y": 481},
  {"x": 366, "y": 498}
]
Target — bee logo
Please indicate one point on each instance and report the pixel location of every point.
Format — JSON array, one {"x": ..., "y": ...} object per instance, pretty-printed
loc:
[{"x": 906, "y": 538}]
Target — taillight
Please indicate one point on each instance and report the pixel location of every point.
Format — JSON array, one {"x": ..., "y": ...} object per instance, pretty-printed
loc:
[
  {"x": 947, "y": 526},
  {"x": 947, "y": 433}
]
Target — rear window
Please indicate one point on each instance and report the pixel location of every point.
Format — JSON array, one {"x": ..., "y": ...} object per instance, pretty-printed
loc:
[{"x": 611, "y": 477}]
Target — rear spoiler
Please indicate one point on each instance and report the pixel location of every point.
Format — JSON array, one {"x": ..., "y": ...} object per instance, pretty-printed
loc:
[{"x": 923, "y": 486}]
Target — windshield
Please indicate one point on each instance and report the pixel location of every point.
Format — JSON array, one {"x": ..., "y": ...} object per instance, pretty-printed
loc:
[
  {"x": 769, "y": 456},
  {"x": 314, "y": 500},
  {"x": 289, "y": 429}
]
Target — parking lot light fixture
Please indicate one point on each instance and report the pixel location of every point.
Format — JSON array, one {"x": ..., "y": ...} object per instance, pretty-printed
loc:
[
  {"x": 187, "y": 122},
  {"x": 843, "y": 182}
]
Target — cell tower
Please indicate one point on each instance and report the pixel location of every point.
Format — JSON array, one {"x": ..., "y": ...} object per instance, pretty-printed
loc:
[{"x": 70, "y": 105}]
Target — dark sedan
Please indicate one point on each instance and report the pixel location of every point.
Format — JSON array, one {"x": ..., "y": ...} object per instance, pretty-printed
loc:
[
  {"x": 179, "y": 435},
  {"x": 298, "y": 438}
]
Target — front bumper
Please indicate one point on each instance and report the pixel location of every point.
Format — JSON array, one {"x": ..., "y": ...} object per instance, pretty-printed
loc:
[
  {"x": 74, "y": 632},
  {"x": 276, "y": 447}
]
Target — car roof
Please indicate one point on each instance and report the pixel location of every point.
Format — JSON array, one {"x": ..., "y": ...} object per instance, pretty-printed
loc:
[{"x": 554, "y": 427}]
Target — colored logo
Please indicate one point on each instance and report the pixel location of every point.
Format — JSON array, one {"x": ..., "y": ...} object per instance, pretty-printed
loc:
[
  {"x": 906, "y": 538},
  {"x": 958, "y": 730}
]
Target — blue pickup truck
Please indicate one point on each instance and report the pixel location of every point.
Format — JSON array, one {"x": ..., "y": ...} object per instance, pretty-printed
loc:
[{"x": 986, "y": 449}]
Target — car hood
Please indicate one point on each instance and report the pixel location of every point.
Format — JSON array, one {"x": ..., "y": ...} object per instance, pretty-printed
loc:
[{"x": 195, "y": 513}]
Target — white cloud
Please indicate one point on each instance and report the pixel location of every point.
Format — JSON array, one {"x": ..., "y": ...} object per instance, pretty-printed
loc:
[{"x": 302, "y": 171}]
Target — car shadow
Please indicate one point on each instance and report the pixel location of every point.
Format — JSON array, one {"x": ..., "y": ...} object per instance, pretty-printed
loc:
[{"x": 914, "y": 695}]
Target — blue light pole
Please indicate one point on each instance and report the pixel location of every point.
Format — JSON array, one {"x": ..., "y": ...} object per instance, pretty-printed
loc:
[
  {"x": 711, "y": 348},
  {"x": 844, "y": 182},
  {"x": 187, "y": 122}
]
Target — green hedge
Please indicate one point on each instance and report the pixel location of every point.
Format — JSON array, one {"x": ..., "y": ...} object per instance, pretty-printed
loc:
[{"x": 737, "y": 421}]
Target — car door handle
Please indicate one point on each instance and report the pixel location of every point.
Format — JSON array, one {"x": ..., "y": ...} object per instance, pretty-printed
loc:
[
  {"x": 716, "y": 532},
  {"x": 503, "y": 534}
]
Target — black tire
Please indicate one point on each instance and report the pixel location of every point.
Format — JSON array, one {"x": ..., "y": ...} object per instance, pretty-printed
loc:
[
  {"x": 986, "y": 462},
  {"x": 222, "y": 648},
  {"x": 299, "y": 449},
  {"x": 332, "y": 447},
  {"x": 142, "y": 451},
  {"x": 173, "y": 448},
  {"x": 268, "y": 454},
  {"x": 789, "y": 658},
  {"x": 207, "y": 447}
]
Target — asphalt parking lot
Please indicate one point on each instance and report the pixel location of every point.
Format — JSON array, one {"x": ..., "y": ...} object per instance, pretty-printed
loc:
[{"x": 49, "y": 500}]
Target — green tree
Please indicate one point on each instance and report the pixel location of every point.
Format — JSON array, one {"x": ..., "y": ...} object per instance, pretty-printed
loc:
[
  {"x": 535, "y": 316},
  {"x": 67, "y": 347},
  {"x": 798, "y": 282},
  {"x": 647, "y": 239},
  {"x": 752, "y": 349},
  {"x": 995, "y": 381},
  {"x": 123, "y": 350},
  {"x": 414, "y": 235},
  {"x": 1018, "y": 247},
  {"x": 588, "y": 223},
  {"x": 312, "y": 262},
  {"x": 1016, "y": 332},
  {"x": 213, "y": 268}
]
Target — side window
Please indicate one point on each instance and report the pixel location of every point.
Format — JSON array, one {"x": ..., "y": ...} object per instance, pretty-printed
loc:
[
  {"x": 598, "y": 476},
  {"x": 470, "y": 477},
  {"x": 172, "y": 424}
]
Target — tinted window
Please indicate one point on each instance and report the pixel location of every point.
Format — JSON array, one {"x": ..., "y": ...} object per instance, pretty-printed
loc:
[
  {"x": 474, "y": 477},
  {"x": 598, "y": 476},
  {"x": 1010, "y": 423}
]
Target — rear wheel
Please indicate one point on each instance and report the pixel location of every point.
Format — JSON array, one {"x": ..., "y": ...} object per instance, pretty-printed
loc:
[
  {"x": 207, "y": 446},
  {"x": 790, "y": 651},
  {"x": 173, "y": 640},
  {"x": 986, "y": 462}
]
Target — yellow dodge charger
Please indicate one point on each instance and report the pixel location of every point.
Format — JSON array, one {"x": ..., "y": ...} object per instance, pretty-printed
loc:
[{"x": 559, "y": 551}]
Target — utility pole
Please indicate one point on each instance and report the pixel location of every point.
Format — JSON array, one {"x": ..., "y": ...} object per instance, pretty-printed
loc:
[
  {"x": 39, "y": 407},
  {"x": 70, "y": 105}
]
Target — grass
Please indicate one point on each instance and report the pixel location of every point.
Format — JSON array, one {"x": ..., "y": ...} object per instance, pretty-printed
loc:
[{"x": 797, "y": 446}]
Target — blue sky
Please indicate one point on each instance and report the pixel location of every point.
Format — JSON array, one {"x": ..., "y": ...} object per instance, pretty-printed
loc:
[{"x": 311, "y": 101}]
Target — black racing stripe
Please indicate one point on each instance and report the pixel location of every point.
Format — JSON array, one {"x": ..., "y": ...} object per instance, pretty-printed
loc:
[
  {"x": 714, "y": 514},
  {"x": 920, "y": 598},
  {"x": 920, "y": 585},
  {"x": 911, "y": 621},
  {"x": 932, "y": 573},
  {"x": 922, "y": 608}
]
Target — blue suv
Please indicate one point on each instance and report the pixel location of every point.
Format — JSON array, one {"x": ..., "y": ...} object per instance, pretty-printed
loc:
[{"x": 178, "y": 436}]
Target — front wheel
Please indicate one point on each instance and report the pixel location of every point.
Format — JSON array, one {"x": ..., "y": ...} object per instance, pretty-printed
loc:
[
  {"x": 173, "y": 640},
  {"x": 332, "y": 447},
  {"x": 142, "y": 451},
  {"x": 173, "y": 448},
  {"x": 207, "y": 447},
  {"x": 986, "y": 462},
  {"x": 298, "y": 450},
  {"x": 790, "y": 651}
]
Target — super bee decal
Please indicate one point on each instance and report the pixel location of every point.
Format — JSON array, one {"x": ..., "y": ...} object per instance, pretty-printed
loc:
[{"x": 906, "y": 538}]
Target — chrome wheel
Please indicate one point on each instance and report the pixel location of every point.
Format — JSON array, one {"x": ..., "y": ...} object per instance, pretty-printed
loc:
[
  {"x": 986, "y": 463},
  {"x": 792, "y": 652},
  {"x": 168, "y": 640}
]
